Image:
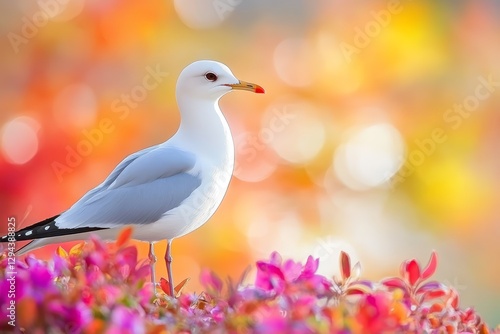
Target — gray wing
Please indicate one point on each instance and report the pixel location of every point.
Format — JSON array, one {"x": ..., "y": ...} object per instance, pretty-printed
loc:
[
  {"x": 139, "y": 191},
  {"x": 117, "y": 171}
]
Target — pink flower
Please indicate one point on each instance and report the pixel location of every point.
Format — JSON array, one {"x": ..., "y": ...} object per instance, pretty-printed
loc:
[
  {"x": 71, "y": 318},
  {"x": 211, "y": 281},
  {"x": 101, "y": 288},
  {"x": 270, "y": 277},
  {"x": 125, "y": 321},
  {"x": 276, "y": 322},
  {"x": 37, "y": 280},
  {"x": 274, "y": 275}
]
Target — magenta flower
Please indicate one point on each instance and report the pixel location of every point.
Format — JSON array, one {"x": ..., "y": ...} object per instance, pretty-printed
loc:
[
  {"x": 274, "y": 321},
  {"x": 270, "y": 277},
  {"x": 211, "y": 281},
  {"x": 73, "y": 318},
  {"x": 36, "y": 281},
  {"x": 102, "y": 288},
  {"x": 274, "y": 275},
  {"x": 125, "y": 321}
]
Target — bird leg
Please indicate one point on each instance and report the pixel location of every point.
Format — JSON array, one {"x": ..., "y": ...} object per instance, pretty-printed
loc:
[
  {"x": 168, "y": 262},
  {"x": 152, "y": 261}
]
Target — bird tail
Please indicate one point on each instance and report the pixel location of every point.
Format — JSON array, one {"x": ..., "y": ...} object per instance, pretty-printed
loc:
[
  {"x": 20, "y": 235},
  {"x": 45, "y": 232}
]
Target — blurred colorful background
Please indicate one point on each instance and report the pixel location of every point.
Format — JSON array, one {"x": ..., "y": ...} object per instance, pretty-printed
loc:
[{"x": 378, "y": 134}]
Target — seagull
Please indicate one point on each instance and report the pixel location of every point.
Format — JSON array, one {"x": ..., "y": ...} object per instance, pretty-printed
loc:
[{"x": 163, "y": 191}]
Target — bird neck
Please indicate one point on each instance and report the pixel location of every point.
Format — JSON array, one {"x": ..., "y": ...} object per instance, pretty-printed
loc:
[{"x": 204, "y": 129}]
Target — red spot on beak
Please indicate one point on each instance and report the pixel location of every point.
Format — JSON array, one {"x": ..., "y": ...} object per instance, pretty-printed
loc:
[{"x": 259, "y": 89}]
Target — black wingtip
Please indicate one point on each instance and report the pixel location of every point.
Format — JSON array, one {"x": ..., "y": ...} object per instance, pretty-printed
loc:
[
  {"x": 45, "y": 229},
  {"x": 20, "y": 235}
]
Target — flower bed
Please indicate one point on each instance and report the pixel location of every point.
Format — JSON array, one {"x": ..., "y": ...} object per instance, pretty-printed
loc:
[{"x": 102, "y": 288}]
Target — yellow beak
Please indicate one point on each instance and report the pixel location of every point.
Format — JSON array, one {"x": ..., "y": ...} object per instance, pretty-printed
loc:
[{"x": 242, "y": 85}]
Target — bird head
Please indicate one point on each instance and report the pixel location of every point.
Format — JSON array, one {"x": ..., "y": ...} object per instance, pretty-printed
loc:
[{"x": 208, "y": 79}]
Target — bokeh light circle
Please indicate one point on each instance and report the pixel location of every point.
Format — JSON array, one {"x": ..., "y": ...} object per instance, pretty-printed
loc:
[
  {"x": 254, "y": 161},
  {"x": 75, "y": 106},
  {"x": 294, "y": 130},
  {"x": 202, "y": 14},
  {"x": 62, "y": 10},
  {"x": 369, "y": 156},
  {"x": 293, "y": 62},
  {"x": 19, "y": 140}
]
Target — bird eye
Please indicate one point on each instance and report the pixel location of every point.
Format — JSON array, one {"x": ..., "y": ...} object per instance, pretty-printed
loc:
[{"x": 211, "y": 76}]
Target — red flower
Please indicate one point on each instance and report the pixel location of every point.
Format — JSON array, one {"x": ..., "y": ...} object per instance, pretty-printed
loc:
[
  {"x": 375, "y": 313},
  {"x": 412, "y": 281}
]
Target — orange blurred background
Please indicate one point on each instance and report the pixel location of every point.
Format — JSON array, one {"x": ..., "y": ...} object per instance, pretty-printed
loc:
[{"x": 378, "y": 134}]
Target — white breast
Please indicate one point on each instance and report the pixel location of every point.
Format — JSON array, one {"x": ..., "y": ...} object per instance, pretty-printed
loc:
[{"x": 197, "y": 209}]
